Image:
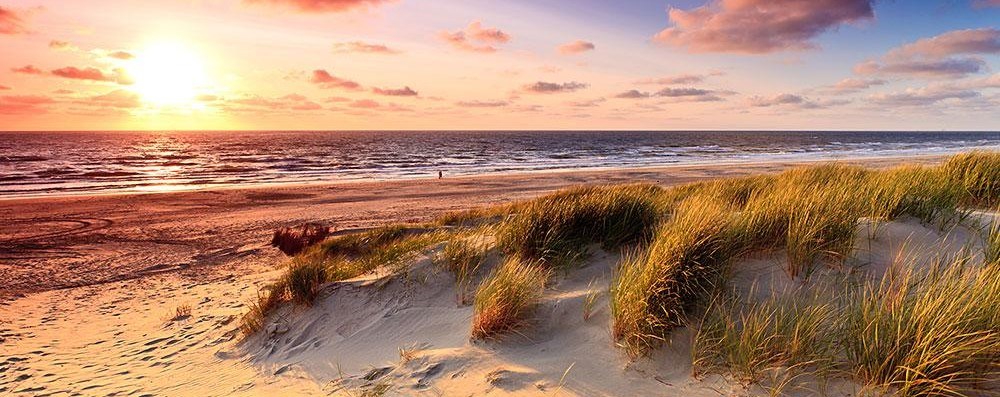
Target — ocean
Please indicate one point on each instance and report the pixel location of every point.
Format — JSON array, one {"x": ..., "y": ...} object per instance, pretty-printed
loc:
[{"x": 63, "y": 163}]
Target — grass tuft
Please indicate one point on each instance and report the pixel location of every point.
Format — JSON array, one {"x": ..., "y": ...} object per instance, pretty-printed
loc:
[
  {"x": 651, "y": 293},
  {"x": 554, "y": 228},
  {"x": 463, "y": 258},
  {"x": 506, "y": 297}
]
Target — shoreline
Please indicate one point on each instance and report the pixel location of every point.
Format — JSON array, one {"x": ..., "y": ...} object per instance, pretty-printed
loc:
[{"x": 505, "y": 174}]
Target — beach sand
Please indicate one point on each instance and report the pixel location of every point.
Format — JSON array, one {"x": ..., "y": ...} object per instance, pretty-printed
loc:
[{"x": 90, "y": 286}]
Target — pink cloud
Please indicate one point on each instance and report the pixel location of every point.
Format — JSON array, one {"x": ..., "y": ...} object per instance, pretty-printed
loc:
[
  {"x": 365, "y": 104},
  {"x": 290, "y": 102},
  {"x": 922, "y": 96},
  {"x": 4, "y": 88},
  {"x": 93, "y": 74},
  {"x": 27, "y": 69},
  {"x": 24, "y": 104},
  {"x": 123, "y": 55},
  {"x": 324, "y": 79},
  {"x": 948, "y": 55},
  {"x": 368, "y": 104},
  {"x": 363, "y": 48},
  {"x": 476, "y": 38},
  {"x": 542, "y": 87},
  {"x": 482, "y": 104},
  {"x": 633, "y": 94},
  {"x": 62, "y": 45},
  {"x": 405, "y": 91},
  {"x": 986, "y": 3},
  {"x": 11, "y": 22},
  {"x": 120, "y": 99},
  {"x": 850, "y": 85},
  {"x": 319, "y": 6},
  {"x": 576, "y": 47},
  {"x": 759, "y": 26},
  {"x": 956, "y": 42}
]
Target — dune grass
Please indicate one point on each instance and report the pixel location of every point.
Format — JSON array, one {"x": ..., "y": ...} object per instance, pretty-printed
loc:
[
  {"x": 910, "y": 334},
  {"x": 651, "y": 292},
  {"x": 463, "y": 258},
  {"x": 978, "y": 173},
  {"x": 506, "y": 297},
  {"x": 926, "y": 333},
  {"x": 554, "y": 228},
  {"x": 339, "y": 258},
  {"x": 749, "y": 339},
  {"x": 812, "y": 213}
]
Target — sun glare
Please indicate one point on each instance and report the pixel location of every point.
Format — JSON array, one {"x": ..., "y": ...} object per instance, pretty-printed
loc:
[{"x": 167, "y": 74}]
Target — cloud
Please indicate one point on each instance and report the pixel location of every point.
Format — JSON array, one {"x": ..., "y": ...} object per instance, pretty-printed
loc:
[
  {"x": 123, "y": 55},
  {"x": 4, "y": 88},
  {"x": 368, "y": 104},
  {"x": 759, "y": 26},
  {"x": 633, "y": 94},
  {"x": 956, "y": 42},
  {"x": 482, "y": 104},
  {"x": 363, "y": 48},
  {"x": 925, "y": 96},
  {"x": 93, "y": 74},
  {"x": 985, "y": 3},
  {"x": 851, "y": 85},
  {"x": 679, "y": 79},
  {"x": 795, "y": 101},
  {"x": 120, "y": 99},
  {"x": 590, "y": 103},
  {"x": 24, "y": 104},
  {"x": 27, "y": 69},
  {"x": 678, "y": 94},
  {"x": 290, "y": 102},
  {"x": 576, "y": 47},
  {"x": 542, "y": 87},
  {"x": 779, "y": 99},
  {"x": 476, "y": 38},
  {"x": 948, "y": 55},
  {"x": 320, "y": 6},
  {"x": 11, "y": 22},
  {"x": 324, "y": 79},
  {"x": 944, "y": 68},
  {"x": 405, "y": 91},
  {"x": 62, "y": 45}
]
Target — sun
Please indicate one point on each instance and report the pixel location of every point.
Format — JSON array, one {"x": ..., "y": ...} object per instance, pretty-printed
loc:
[{"x": 167, "y": 73}]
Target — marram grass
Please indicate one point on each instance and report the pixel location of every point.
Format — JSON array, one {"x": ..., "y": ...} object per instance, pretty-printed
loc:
[{"x": 506, "y": 298}]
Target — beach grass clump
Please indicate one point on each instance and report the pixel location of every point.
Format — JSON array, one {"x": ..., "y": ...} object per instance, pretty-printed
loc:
[
  {"x": 268, "y": 299},
  {"x": 554, "y": 227},
  {"x": 927, "y": 193},
  {"x": 927, "y": 333},
  {"x": 507, "y": 296},
  {"x": 363, "y": 243},
  {"x": 991, "y": 241},
  {"x": 337, "y": 259},
  {"x": 463, "y": 258},
  {"x": 303, "y": 280},
  {"x": 652, "y": 292},
  {"x": 978, "y": 173},
  {"x": 749, "y": 340}
]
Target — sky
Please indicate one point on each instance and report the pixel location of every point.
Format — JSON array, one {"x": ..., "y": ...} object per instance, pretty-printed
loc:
[{"x": 485, "y": 64}]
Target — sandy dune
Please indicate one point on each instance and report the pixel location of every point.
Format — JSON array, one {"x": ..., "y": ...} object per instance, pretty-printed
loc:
[{"x": 93, "y": 300}]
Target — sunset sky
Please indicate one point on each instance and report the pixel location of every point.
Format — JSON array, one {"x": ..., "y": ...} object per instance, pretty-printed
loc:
[{"x": 516, "y": 64}]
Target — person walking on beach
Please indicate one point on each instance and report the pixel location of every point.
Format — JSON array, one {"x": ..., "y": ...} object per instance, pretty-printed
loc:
[{"x": 440, "y": 174}]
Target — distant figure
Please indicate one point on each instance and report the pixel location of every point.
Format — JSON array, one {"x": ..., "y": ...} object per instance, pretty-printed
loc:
[{"x": 440, "y": 174}]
